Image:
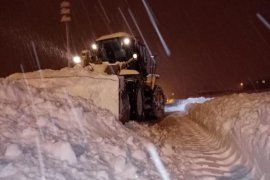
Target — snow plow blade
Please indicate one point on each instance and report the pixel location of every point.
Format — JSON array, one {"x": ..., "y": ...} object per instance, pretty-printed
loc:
[{"x": 100, "y": 88}]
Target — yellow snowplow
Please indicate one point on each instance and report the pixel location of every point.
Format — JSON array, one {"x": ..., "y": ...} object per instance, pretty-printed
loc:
[{"x": 116, "y": 73}]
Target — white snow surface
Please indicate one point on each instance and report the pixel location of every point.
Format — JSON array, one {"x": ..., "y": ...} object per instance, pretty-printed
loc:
[
  {"x": 48, "y": 133},
  {"x": 51, "y": 135},
  {"x": 224, "y": 138},
  {"x": 100, "y": 88},
  {"x": 242, "y": 121}
]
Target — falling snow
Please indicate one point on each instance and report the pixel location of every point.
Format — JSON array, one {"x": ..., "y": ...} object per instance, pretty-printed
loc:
[
  {"x": 63, "y": 124},
  {"x": 47, "y": 133},
  {"x": 41, "y": 138}
]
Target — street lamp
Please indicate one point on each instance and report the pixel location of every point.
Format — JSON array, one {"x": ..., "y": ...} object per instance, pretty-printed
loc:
[{"x": 66, "y": 18}]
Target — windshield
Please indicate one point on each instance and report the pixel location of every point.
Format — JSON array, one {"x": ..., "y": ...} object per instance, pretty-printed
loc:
[{"x": 112, "y": 50}]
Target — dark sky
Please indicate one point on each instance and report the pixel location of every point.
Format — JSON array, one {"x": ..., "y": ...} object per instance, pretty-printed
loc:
[{"x": 214, "y": 44}]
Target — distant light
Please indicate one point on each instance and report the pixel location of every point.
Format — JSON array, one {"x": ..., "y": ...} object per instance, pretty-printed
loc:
[
  {"x": 135, "y": 56},
  {"x": 77, "y": 59},
  {"x": 263, "y": 81},
  {"x": 170, "y": 101},
  {"x": 94, "y": 46},
  {"x": 241, "y": 84},
  {"x": 182, "y": 105},
  {"x": 126, "y": 41}
]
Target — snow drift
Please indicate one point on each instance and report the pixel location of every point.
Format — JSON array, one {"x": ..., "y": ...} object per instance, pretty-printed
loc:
[
  {"x": 61, "y": 128},
  {"x": 241, "y": 121},
  {"x": 52, "y": 135},
  {"x": 223, "y": 138},
  {"x": 100, "y": 88}
]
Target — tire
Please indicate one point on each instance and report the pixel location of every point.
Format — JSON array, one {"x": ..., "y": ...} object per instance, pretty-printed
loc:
[
  {"x": 124, "y": 111},
  {"x": 158, "y": 103},
  {"x": 139, "y": 104}
]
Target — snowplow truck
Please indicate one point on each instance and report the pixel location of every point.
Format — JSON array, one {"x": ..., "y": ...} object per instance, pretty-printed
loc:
[
  {"x": 116, "y": 74},
  {"x": 123, "y": 55}
]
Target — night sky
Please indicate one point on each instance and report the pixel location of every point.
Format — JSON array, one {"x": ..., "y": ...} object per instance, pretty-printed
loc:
[{"x": 214, "y": 45}]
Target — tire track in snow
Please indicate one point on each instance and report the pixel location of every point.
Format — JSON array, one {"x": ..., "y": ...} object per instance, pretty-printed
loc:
[
  {"x": 191, "y": 152},
  {"x": 211, "y": 158}
]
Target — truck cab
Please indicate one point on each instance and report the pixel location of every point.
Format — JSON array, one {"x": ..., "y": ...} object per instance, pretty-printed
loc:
[{"x": 121, "y": 48}]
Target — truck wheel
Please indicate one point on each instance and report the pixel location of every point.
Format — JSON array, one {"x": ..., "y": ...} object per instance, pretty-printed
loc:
[
  {"x": 124, "y": 107},
  {"x": 158, "y": 103},
  {"x": 139, "y": 105}
]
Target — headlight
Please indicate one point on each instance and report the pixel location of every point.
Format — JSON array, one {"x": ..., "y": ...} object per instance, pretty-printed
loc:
[
  {"x": 135, "y": 56},
  {"x": 94, "y": 46},
  {"x": 126, "y": 41},
  {"x": 77, "y": 59}
]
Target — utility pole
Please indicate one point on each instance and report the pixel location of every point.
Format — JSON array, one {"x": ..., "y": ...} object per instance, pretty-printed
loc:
[{"x": 66, "y": 18}]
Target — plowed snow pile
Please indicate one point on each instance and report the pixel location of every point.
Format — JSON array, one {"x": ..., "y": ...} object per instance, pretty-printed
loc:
[
  {"x": 47, "y": 134},
  {"x": 61, "y": 128},
  {"x": 97, "y": 86}
]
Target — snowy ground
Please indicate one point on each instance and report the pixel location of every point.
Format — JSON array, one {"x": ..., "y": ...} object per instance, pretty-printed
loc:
[
  {"x": 51, "y": 135},
  {"x": 225, "y": 138},
  {"x": 48, "y": 133}
]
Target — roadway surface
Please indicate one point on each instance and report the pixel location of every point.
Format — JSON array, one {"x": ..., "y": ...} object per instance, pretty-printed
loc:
[{"x": 190, "y": 152}]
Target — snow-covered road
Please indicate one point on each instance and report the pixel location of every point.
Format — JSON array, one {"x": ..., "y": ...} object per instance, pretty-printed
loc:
[{"x": 190, "y": 152}]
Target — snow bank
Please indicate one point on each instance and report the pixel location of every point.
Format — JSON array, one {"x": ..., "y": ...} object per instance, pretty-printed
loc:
[
  {"x": 100, "y": 88},
  {"x": 51, "y": 135},
  {"x": 223, "y": 138},
  {"x": 242, "y": 120}
]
